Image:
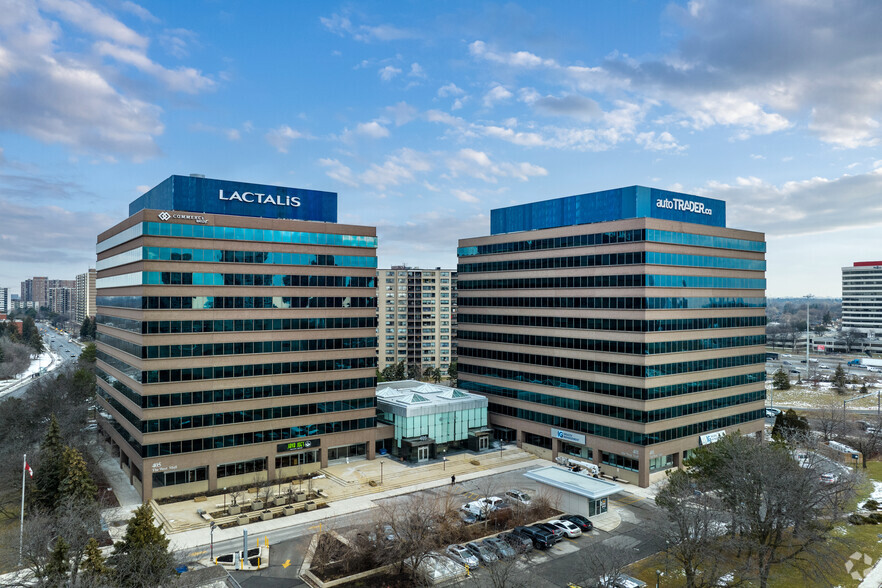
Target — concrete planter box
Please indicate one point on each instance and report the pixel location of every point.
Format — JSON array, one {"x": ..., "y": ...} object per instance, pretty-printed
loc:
[
  {"x": 299, "y": 496},
  {"x": 279, "y": 501},
  {"x": 310, "y": 505},
  {"x": 290, "y": 511},
  {"x": 266, "y": 515},
  {"x": 242, "y": 520},
  {"x": 257, "y": 505},
  {"x": 234, "y": 510}
]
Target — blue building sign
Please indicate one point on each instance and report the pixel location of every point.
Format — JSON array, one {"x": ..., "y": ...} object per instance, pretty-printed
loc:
[
  {"x": 198, "y": 194},
  {"x": 609, "y": 205}
]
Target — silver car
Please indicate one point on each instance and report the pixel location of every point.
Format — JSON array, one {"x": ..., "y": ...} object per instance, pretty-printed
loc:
[
  {"x": 483, "y": 553},
  {"x": 462, "y": 556}
]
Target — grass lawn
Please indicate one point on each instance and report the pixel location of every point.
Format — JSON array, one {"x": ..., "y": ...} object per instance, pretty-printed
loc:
[
  {"x": 866, "y": 539},
  {"x": 819, "y": 396}
]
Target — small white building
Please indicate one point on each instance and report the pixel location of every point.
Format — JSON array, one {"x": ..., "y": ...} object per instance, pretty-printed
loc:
[{"x": 579, "y": 493}]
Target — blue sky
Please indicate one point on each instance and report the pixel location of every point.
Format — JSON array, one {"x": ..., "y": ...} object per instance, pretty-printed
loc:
[{"x": 424, "y": 116}]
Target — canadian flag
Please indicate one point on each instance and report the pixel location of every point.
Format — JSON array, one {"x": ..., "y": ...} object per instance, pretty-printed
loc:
[{"x": 29, "y": 469}]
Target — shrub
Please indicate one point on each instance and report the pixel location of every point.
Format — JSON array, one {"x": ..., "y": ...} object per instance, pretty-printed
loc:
[
  {"x": 475, "y": 462},
  {"x": 856, "y": 519},
  {"x": 871, "y": 505}
]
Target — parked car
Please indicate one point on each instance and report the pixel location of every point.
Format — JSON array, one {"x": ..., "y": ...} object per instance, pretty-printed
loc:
[
  {"x": 462, "y": 556},
  {"x": 482, "y": 552},
  {"x": 583, "y": 523},
  {"x": 622, "y": 581},
  {"x": 502, "y": 549},
  {"x": 518, "y": 497},
  {"x": 387, "y": 532},
  {"x": 772, "y": 413},
  {"x": 829, "y": 478},
  {"x": 541, "y": 538},
  {"x": 557, "y": 533},
  {"x": 569, "y": 529},
  {"x": 519, "y": 543},
  {"x": 467, "y": 517}
]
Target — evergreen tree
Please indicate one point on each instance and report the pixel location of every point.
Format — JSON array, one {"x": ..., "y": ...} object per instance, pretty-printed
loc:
[
  {"x": 840, "y": 379},
  {"x": 85, "y": 328},
  {"x": 76, "y": 484},
  {"x": 50, "y": 468},
  {"x": 780, "y": 380},
  {"x": 93, "y": 328},
  {"x": 789, "y": 425},
  {"x": 58, "y": 565},
  {"x": 453, "y": 374},
  {"x": 87, "y": 356},
  {"x": 93, "y": 568},
  {"x": 400, "y": 371},
  {"x": 142, "y": 558}
]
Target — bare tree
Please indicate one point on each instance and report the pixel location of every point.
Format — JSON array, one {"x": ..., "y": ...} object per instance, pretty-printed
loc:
[
  {"x": 830, "y": 420},
  {"x": 602, "y": 565},
  {"x": 868, "y": 442},
  {"x": 780, "y": 513}
]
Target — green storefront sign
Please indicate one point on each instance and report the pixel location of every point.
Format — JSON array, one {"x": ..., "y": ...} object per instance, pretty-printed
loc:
[{"x": 298, "y": 445}]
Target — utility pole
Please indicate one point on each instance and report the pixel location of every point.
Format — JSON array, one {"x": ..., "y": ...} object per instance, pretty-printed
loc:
[{"x": 808, "y": 298}]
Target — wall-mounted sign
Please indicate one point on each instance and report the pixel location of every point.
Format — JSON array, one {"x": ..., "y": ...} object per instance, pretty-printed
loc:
[
  {"x": 568, "y": 436},
  {"x": 201, "y": 220},
  {"x": 258, "y": 198},
  {"x": 683, "y": 205},
  {"x": 298, "y": 445},
  {"x": 711, "y": 438}
]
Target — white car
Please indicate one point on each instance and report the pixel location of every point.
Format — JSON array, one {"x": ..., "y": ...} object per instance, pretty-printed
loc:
[
  {"x": 829, "y": 478},
  {"x": 569, "y": 529}
]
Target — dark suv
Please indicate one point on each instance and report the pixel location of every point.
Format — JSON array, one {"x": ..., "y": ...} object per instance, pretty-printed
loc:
[
  {"x": 541, "y": 538},
  {"x": 555, "y": 532}
]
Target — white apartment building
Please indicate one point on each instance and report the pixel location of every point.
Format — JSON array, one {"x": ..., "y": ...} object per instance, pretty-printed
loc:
[
  {"x": 862, "y": 297},
  {"x": 416, "y": 317},
  {"x": 85, "y": 295}
]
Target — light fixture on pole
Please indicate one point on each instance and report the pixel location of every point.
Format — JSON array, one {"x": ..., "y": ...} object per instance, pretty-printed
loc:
[
  {"x": 211, "y": 527},
  {"x": 808, "y": 299}
]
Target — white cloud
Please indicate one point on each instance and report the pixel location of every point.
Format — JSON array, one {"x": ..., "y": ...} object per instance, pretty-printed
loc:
[
  {"x": 95, "y": 21},
  {"x": 663, "y": 141},
  {"x": 523, "y": 59},
  {"x": 416, "y": 71},
  {"x": 182, "y": 79},
  {"x": 139, "y": 11},
  {"x": 388, "y": 72},
  {"x": 757, "y": 156},
  {"x": 464, "y": 196},
  {"x": 477, "y": 164},
  {"x": 496, "y": 94},
  {"x": 399, "y": 168},
  {"x": 450, "y": 89},
  {"x": 372, "y": 129},
  {"x": 339, "y": 172},
  {"x": 342, "y": 26},
  {"x": 401, "y": 113},
  {"x": 177, "y": 42},
  {"x": 281, "y": 137}
]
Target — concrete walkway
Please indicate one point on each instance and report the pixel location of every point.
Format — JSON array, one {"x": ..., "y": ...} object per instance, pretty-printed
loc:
[{"x": 125, "y": 493}]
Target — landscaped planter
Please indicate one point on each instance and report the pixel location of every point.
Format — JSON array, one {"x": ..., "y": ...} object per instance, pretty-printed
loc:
[
  {"x": 242, "y": 520},
  {"x": 299, "y": 496},
  {"x": 289, "y": 511},
  {"x": 266, "y": 515},
  {"x": 280, "y": 501},
  {"x": 257, "y": 505},
  {"x": 234, "y": 510},
  {"x": 310, "y": 505}
]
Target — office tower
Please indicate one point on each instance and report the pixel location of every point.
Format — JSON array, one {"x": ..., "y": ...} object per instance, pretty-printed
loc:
[
  {"x": 236, "y": 336},
  {"x": 417, "y": 317},
  {"x": 862, "y": 298},
  {"x": 624, "y": 327}
]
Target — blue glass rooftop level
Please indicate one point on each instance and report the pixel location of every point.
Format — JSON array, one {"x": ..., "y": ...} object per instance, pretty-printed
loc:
[{"x": 608, "y": 205}]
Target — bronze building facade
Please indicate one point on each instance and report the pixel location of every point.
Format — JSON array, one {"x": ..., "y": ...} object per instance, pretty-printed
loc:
[
  {"x": 236, "y": 336},
  {"x": 623, "y": 328}
]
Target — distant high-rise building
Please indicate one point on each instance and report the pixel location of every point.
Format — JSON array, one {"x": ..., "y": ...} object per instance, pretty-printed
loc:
[
  {"x": 416, "y": 317},
  {"x": 85, "y": 295},
  {"x": 4, "y": 300},
  {"x": 35, "y": 290},
  {"x": 862, "y": 298},
  {"x": 625, "y": 327}
]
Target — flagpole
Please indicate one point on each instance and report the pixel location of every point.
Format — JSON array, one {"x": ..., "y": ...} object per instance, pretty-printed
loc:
[{"x": 24, "y": 467}]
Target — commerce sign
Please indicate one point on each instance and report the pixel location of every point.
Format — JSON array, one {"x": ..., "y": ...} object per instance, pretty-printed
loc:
[
  {"x": 198, "y": 219},
  {"x": 568, "y": 436},
  {"x": 298, "y": 445},
  {"x": 711, "y": 438}
]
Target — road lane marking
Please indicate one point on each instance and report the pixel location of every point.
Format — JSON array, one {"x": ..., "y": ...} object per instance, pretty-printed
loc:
[
  {"x": 195, "y": 553},
  {"x": 287, "y": 563}
]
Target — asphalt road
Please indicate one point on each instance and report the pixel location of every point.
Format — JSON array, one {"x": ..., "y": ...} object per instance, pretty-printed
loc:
[{"x": 58, "y": 342}]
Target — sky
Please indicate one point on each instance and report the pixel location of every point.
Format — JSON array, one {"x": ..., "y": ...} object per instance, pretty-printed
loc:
[{"x": 424, "y": 116}]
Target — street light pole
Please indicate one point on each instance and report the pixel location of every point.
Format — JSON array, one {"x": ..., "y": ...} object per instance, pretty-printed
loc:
[
  {"x": 808, "y": 298},
  {"x": 211, "y": 527},
  {"x": 381, "y": 473}
]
